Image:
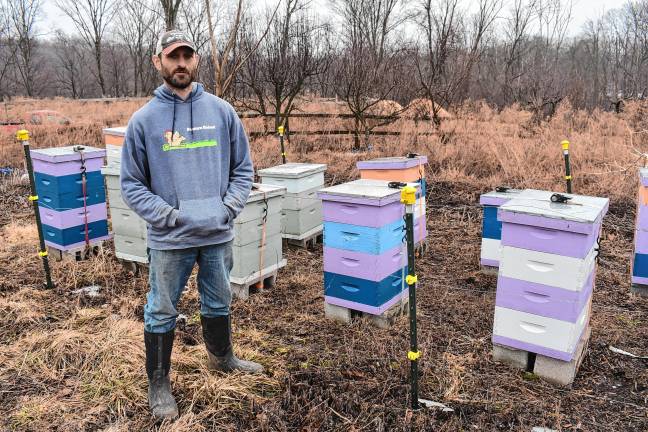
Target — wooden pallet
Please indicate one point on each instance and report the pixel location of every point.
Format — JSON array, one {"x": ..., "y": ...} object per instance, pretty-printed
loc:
[
  {"x": 242, "y": 287},
  {"x": 555, "y": 371},
  {"x": 384, "y": 320},
  {"x": 306, "y": 240},
  {"x": 638, "y": 289},
  {"x": 76, "y": 254}
]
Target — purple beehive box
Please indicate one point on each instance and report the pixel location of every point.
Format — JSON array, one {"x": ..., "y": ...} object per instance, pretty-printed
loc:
[{"x": 547, "y": 273}]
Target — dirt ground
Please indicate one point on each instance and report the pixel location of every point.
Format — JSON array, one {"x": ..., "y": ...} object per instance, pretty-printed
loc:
[{"x": 70, "y": 362}]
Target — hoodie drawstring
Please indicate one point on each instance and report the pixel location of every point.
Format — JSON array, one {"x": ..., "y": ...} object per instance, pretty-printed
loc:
[
  {"x": 174, "y": 113},
  {"x": 191, "y": 114}
]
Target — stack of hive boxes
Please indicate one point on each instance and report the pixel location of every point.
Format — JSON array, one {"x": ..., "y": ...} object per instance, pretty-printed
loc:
[
  {"x": 400, "y": 169},
  {"x": 128, "y": 228},
  {"x": 640, "y": 264},
  {"x": 301, "y": 209},
  {"x": 547, "y": 273},
  {"x": 491, "y": 227},
  {"x": 257, "y": 249},
  {"x": 69, "y": 213},
  {"x": 365, "y": 256}
]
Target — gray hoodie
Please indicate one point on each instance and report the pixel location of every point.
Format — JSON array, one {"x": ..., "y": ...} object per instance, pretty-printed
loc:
[{"x": 189, "y": 184}]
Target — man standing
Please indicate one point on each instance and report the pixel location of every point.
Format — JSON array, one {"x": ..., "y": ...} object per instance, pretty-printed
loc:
[{"x": 186, "y": 170}]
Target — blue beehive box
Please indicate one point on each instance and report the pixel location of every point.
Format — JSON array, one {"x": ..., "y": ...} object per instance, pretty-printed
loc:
[
  {"x": 80, "y": 213},
  {"x": 364, "y": 245}
]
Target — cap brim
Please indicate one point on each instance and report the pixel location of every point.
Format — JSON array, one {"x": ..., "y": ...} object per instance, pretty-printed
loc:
[{"x": 174, "y": 46}]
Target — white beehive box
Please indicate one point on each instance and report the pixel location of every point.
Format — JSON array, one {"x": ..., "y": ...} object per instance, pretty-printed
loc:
[
  {"x": 301, "y": 208},
  {"x": 260, "y": 218},
  {"x": 295, "y": 177}
]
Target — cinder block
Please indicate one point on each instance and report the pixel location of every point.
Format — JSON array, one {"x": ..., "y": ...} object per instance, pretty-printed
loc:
[
  {"x": 641, "y": 290},
  {"x": 510, "y": 356},
  {"x": 560, "y": 372},
  {"x": 337, "y": 313}
]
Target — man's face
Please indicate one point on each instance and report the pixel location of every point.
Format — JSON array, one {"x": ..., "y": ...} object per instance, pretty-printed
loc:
[{"x": 178, "y": 68}]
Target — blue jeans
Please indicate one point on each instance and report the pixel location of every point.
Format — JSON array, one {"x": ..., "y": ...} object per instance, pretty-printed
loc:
[{"x": 169, "y": 271}]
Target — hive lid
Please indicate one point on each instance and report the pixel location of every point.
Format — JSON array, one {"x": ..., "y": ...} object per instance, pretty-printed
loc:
[
  {"x": 643, "y": 175},
  {"x": 496, "y": 198},
  {"x": 398, "y": 162},
  {"x": 532, "y": 206},
  {"x": 67, "y": 153},
  {"x": 118, "y": 131},
  {"x": 260, "y": 191},
  {"x": 292, "y": 170},
  {"x": 373, "y": 192}
]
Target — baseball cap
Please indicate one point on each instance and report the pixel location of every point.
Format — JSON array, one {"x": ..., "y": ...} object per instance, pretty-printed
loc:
[{"x": 171, "y": 40}]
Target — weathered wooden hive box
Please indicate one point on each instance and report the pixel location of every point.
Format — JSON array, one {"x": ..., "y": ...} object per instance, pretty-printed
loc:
[
  {"x": 491, "y": 227},
  {"x": 257, "y": 247},
  {"x": 129, "y": 230},
  {"x": 114, "y": 141},
  {"x": 301, "y": 214},
  {"x": 364, "y": 250},
  {"x": 547, "y": 272},
  {"x": 68, "y": 211}
]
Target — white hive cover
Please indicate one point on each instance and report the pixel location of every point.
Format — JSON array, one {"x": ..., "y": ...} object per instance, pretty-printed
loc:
[
  {"x": 580, "y": 208},
  {"x": 55, "y": 154},
  {"x": 260, "y": 191},
  {"x": 509, "y": 194},
  {"x": 121, "y": 131},
  {"x": 292, "y": 170},
  {"x": 365, "y": 188}
]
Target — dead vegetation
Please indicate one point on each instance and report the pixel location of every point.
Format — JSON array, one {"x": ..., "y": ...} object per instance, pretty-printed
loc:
[{"x": 72, "y": 362}]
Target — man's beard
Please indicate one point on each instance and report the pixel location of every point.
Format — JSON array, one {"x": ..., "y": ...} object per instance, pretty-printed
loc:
[{"x": 179, "y": 83}]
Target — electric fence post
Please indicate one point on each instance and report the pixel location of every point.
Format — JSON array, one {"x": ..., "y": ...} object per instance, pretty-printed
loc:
[
  {"x": 408, "y": 197},
  {"x": 280, "y": 130},
  {"x": 568, "y": 176},
  {"x": 23, "y": 137}
]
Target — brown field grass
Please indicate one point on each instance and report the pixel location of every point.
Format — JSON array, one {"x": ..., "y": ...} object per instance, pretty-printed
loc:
[{"x": 69, "y": 362}]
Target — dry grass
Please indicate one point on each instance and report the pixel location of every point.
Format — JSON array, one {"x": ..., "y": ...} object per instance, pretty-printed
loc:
[{"x": 69, "y": 362}]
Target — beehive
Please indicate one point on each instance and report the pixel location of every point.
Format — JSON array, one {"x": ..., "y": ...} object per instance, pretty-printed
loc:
[
  {"x": 301, "y": 214},
  {"x": 257, "y": 247},
  {"x": 114, "y": 141},
  {"x": 640, "y": 261},
  {"x": 399, "y": 169},
  {"x": 67, "y": 211},
  {"x": 491, "y": 227},
  {"x": 128, "y": 228},
  {"x": 365, "y": 253},
  {"x": 547, "y": 272}
]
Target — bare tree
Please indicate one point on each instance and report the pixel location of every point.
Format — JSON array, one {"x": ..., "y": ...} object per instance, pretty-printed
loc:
[
  {"x": 91, "y": 19},
  {"x": 8, "y": 47},
  {"x": 170, "y": 9},
  {"x": 452, "y": 46},
  {"x": 23, "y": 17},
  {"x": 138, "y": 32},
  {"x": 228, "y": 59},
  {"x": 296, "y": 49},
  {"x": 368, "y": 70},
  {"x": 70, "y": 69}
]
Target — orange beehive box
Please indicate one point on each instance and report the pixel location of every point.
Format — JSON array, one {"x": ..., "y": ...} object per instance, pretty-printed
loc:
[
  {"x": 403, "y": 168},
  {"x": 114, "y": 136}
]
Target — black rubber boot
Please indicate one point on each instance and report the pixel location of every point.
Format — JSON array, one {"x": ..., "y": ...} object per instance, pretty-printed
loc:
[
  {"x": 217, "y": 333},
  {"x": 158, "y": 363}
]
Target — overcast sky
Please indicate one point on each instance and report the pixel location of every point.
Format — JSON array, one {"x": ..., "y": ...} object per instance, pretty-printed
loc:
[{"x": 583, "y": 10}]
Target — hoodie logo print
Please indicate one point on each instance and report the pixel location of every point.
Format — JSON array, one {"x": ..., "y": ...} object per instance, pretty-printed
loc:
[{"x": 175, "y": 141}]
